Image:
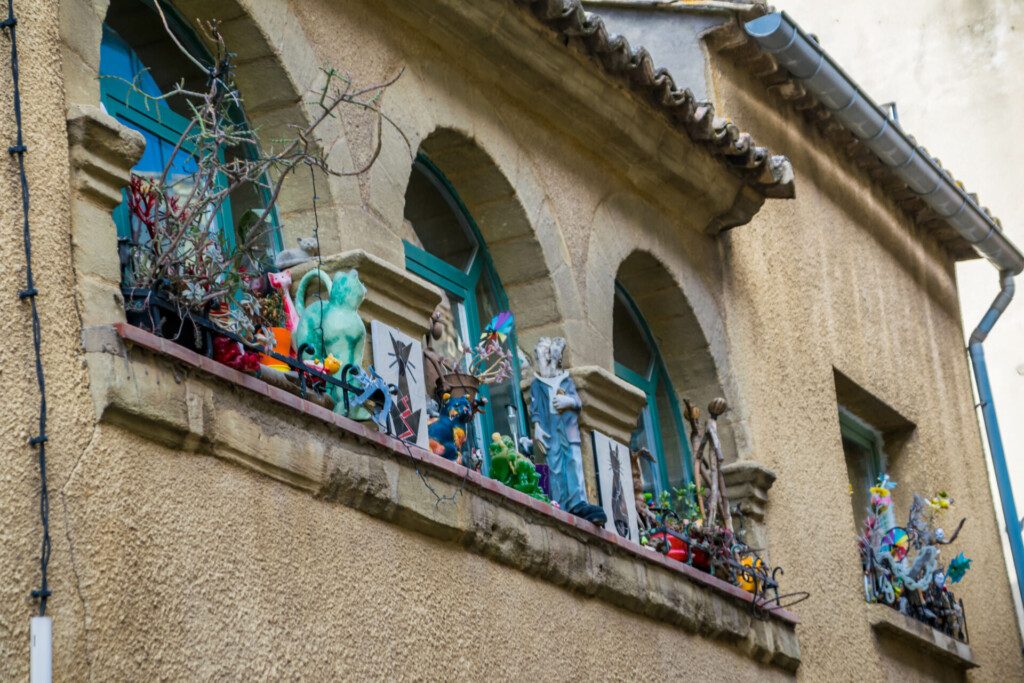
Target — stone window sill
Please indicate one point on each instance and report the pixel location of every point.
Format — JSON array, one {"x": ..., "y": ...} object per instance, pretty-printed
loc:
[
  {"x": 177, "y": 397},
  {"x": 887, "y": 622}
]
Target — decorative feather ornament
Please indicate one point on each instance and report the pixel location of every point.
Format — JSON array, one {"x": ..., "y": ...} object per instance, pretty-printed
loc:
[{"x": 499, "y": 328}]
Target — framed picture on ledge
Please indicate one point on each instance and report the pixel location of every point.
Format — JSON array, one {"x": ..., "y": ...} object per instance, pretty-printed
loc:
[
  {"x": 398, "y": 358},
  {"x": 615, "y": 485}
]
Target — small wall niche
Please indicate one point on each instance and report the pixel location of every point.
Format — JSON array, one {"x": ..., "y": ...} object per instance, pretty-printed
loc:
[{"x": 873, "y": 437}]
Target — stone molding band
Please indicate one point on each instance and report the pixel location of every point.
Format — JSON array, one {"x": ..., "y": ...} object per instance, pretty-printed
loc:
[{"x": 186, "y": 401}]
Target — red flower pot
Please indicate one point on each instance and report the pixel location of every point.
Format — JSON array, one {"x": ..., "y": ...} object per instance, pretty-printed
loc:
[
  {"x": 701, "y": 560},
  {"x": 678, "y": 549}
]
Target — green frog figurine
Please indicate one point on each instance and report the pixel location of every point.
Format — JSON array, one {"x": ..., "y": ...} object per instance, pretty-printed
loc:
[
  {"x": 514, "y": 469},
  {"x": 333, "y": 326}
]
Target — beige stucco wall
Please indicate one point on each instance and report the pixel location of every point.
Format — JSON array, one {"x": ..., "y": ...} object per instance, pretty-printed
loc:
[
  {"x": 192, "y": 569},
  {"x": 836, "y": 280},
  {"x": 184, "y": 566},
  {"x": 950, "y": 66}
]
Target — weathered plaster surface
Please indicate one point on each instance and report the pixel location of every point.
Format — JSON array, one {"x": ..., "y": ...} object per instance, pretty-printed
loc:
[
  {"x": 950, "y": 66},
  {"x": 171, "y": 564}
]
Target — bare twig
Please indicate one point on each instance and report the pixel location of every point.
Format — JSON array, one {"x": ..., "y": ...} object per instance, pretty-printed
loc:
[{"x": 184, "y": 252}]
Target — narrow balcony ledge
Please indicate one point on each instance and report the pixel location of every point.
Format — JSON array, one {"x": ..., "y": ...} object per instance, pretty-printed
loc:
[
  {"x": 181, "y": 399},
  {"x": 888, "y": 622}
]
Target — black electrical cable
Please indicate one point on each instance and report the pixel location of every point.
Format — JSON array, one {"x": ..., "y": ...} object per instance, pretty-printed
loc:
[
  {"x": 18, "y": 150},
  {"x": 319, "y": 256}
]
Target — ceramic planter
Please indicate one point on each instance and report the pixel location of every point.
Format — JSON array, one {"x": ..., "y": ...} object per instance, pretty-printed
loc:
[
  {"x": 678, "y": 549},
  {"x": 461, "y": 384}
]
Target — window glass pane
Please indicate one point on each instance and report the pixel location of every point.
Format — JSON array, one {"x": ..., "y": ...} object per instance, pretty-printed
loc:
[
  {"x": 862, "y": 477},
  {"x": 643, "y": 437},
  {"x": 136, "y": 54},
  {"x": 502, "y": 394},
  {"x": 140, "y": 26},
  {"x": 630, "y": 344},
  {"x": 659, "y": 427},
  {"x": 671, "y": 445},
  {"x": 439, "y": 226}
]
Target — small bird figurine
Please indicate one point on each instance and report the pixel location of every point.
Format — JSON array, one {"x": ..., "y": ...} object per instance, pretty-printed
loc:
[
  {"x": 329, "y": 366},
  {"x": 958, "y": 566}
]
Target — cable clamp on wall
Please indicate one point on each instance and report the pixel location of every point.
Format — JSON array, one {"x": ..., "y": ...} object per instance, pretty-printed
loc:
[
  {"x": 17, "y": 149},
  {"x": 9, "y": 22},
  {"x": 27, "y": 293}
]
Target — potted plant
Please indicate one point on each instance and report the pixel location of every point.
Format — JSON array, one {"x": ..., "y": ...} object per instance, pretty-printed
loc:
[{"x": 489, "y": 362}]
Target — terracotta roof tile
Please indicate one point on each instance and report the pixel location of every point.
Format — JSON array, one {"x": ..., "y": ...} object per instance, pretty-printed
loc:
[{"x": 769, "y": 173}]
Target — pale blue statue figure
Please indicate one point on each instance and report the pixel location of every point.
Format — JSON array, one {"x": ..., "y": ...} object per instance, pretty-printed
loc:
[
  {"x": 555, "y": 413},
  {"x": 333, "y": 326}
]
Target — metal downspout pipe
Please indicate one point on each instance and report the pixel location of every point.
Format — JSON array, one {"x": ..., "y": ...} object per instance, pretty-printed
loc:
[
  {"x": 988, "y": 411},
  {"x": 803, "y": 57}
]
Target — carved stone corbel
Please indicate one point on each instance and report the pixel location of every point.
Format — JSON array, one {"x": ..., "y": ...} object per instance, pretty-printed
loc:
[
  {"x": 610, "y": 406},
  {"x": 747, "y": 484},
  {"x": 102, "y": 152}
]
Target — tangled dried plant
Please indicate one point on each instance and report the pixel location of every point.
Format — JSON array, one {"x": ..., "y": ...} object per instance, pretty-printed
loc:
[{"x": 176, "y": 246}]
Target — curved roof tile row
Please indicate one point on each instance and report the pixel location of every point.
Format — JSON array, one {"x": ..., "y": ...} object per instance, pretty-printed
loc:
[{"x": 770, "y": 174}]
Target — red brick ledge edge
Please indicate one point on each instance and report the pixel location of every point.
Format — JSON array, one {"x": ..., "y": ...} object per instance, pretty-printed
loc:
[{"x": 475, "y": 482}]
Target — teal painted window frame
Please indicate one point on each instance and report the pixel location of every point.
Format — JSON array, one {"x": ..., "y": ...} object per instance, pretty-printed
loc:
[
  {"x": 463, "y": 284},
  {"x": 120, "y": 101},
  {"x": 872, "y": 442},
  {"x": 866, "y": 437},
  {"x": 656, "y": 377}
]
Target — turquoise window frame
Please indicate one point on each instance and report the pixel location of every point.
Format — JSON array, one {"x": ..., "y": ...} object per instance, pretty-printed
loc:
[
  {"x": 872, "y": 442},
  {"x": 122, "y": 102},
  {"x": 866, "y": 437},
  {"x": 655, "y": 378},
  {"x": 463, "y": 284}
]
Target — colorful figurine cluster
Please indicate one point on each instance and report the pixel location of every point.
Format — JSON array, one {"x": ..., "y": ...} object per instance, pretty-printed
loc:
[
  {"x": 902, "y": 566},
  {"x": 448, "y": 433}
]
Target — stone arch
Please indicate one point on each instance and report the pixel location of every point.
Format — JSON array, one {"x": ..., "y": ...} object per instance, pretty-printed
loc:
[
  {"x": 678, "y": 334},
  {"x": 272, "y": 82},
  {"x": 526, "y": 259},
  {"x": 657, "y": 264},
  {"x": 672, "y": 322}
]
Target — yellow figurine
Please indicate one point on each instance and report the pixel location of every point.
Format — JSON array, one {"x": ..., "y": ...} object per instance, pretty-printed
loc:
[{"x": 747, "y": 581}]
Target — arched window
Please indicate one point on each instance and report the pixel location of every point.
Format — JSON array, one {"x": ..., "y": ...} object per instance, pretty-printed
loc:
[
  {"x": 449, "y": 252},
  {"x": 139, "y": 64},
  {"x": 660, "y": 428}
]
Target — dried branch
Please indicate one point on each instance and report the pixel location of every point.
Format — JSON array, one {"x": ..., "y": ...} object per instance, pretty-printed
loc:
[{"x": 177, "y": 245}]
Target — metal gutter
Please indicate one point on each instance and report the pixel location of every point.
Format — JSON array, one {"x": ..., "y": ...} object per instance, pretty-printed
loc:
[
  {"x": 988, "y": 412},
  {"x": 803, "y": 57},
  {"x": 716, "y": 6}
]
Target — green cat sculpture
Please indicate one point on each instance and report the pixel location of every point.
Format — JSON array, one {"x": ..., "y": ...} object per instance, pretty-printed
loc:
[{"x": 333, "y": 326}]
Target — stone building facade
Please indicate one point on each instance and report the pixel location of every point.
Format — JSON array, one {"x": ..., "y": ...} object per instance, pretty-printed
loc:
[{"x": 208, "y": 525}]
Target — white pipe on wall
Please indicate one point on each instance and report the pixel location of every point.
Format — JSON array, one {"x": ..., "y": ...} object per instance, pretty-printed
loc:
[{"x": 41, "y": 652}]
